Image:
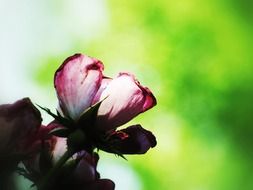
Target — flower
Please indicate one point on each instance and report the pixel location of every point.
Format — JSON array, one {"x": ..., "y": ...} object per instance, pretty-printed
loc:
[
  {"x": 19, "y": 123},
  {"x": 80, "y": 84}
]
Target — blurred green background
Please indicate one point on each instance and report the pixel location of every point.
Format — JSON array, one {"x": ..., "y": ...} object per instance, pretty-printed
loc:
[{"x": 195, "y": 55}]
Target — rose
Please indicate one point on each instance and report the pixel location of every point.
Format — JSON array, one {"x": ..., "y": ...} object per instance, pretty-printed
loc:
[{"x": 80, "y": 84}]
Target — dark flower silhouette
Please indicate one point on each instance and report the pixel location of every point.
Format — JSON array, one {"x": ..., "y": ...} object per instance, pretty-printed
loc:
[{"x": 19, "y": 124}]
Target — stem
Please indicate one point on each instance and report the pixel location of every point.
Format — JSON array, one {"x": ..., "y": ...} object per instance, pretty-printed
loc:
[{"x": 43, "y": 185}]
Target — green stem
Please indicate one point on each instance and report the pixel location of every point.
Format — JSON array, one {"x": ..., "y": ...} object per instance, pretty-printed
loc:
[{"x": 43, "y": 185}]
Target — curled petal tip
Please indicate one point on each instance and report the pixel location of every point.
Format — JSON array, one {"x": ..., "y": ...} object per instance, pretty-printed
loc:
[
  {"x": 150, "y": 100},
  {"x": 126, "y": 98}
]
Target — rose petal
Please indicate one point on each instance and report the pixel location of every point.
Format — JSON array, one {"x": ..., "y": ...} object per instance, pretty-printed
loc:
[
  {"x": 136, "y": 140},
  {"x": 125, "y": 99},
  {"x": 76, "y": 83},
  {"x": 104, "y": 83}
]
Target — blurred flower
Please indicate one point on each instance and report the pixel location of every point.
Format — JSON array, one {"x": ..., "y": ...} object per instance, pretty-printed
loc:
[
  {"x": 19, "y": 123},
  {"x": 81, "y": 86}
]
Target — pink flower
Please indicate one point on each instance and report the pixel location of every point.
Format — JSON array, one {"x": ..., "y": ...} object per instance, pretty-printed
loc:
[
  {"x": 79, "y": 84},
  {"x": 19, "y": 124}
]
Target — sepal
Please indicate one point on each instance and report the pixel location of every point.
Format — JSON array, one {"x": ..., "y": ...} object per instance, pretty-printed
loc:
[
  {"x": 88, "y": 117},
  {"x": 61, "y": 132},
  {"x": 67, "y": 122}
]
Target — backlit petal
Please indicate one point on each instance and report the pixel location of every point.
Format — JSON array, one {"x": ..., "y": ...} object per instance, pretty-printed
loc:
[
  {"x": 125, "y": 98},
  {"x": 77, "y": 82}
]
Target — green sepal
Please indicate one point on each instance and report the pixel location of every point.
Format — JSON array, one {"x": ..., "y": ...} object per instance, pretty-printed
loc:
[
  {"x": 61, "y": 132},
  {"x": 66, "y": 122},
  {"x": 106, "y": 144},
  {"x": 110, "y": 149},
  {"x": 88, "y": 117},
  {"x": 49, "y": 111}
]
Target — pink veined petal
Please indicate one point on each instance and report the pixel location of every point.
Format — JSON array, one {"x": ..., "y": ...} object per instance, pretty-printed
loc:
[
  {"x": 76, "y": 83},
  {"x": 104, "y": 83},
  {"x": 125, "y": 99}
]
